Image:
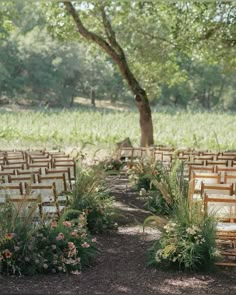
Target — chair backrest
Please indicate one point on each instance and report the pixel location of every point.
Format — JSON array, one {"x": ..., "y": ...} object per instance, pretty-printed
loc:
[
  {"x": 217, "y": 189},
  {"x": 230, "y": 178},
  {"x": 59, "y": 180},
  {"x": 60, "y": 171},
  {"x": 210, "y": 177},
  {"x": 200, "y": 169},
  {"x": 222, "y": 207},
  {"x": 64, "y": 165},
  {"x": 12, "y": 166},
  {"x": 22, "y": 178},
  {"x": 10, "y": 190},
  {"x": 225, "y": 169},
  {"x": 34, "y": 170},
  {"x": 15, "y": 161},
  {"x": 217, "y": 163},
  {"x": 47, "y": 192}
]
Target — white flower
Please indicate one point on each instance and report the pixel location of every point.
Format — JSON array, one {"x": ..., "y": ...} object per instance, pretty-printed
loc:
[{"x": 142, "y": 192}]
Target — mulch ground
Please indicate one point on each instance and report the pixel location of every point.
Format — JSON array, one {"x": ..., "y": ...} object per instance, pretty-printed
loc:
[{"x": 121, "y": 266}]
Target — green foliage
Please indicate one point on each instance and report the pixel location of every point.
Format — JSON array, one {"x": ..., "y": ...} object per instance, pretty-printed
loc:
[
  {"x": 28, "y": 248},
  {"x": 89, "y": 195},
  {"x": 187, "y": 241},
  {"x": 73, "y": 128},
  {"x": 165, "y": 185},
  {"x": 190, "y": 52}
]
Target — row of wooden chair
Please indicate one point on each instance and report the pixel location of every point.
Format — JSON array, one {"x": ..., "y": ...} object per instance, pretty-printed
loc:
[
  {"x": 223, "y": 208},
  {"x": 44, "y": 198},
  {"x": 36, "y": 174}
]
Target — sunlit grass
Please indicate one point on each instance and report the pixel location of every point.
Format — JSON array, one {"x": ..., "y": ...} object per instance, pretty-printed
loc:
[{"x": 102, "y": 128}]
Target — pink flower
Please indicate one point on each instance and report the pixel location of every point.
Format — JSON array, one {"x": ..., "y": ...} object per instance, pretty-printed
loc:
[
  {"x": 60, "y": 236},
  {"x": 74, "y": 233},
  {"x": 1, "y": 257},
  {"x": 53, "y": 224},
  {"x": 83, "y": 235},
  {"x": 94, "y": 240},
  {"x": 67, "y": 223},
  {"x": 10, "y": 236},
  {"x": 71, "y": 245},
  {"x": 7, "y": 253},
  {"x": 85, "y": 245}
]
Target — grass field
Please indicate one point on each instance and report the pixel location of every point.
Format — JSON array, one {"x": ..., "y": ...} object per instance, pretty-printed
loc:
[{"x": 101, "y": 128}]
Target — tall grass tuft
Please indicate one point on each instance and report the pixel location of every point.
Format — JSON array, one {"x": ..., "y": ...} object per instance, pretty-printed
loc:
[{"x": 90, "y": 195}]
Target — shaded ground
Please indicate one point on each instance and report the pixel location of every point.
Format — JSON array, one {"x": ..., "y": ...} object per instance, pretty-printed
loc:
[{"x": 121, "y": 268}]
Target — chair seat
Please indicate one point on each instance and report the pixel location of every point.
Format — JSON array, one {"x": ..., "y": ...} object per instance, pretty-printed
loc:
[
  {"x": 226, "y": 226},
  {"x": 197, "y": 197}
]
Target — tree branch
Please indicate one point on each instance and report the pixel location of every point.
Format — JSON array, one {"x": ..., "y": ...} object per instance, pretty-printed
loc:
[
  {"x": 88, "y": 34},
  {"x": 110, "y": 33}
]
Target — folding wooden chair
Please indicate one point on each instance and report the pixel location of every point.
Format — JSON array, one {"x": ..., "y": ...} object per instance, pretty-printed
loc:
[
  {"x": 198, "y": 179},
  {"x": 59, "y": 180},
  {"x": 4, "y": 174},
  {"x": 22, "y": 178},
  {"x": 9, "y": 190},
  {"x": 66, "y": 164},
  {"x": 12, "y": 166},
  {"x": 200, "y": 169},
  {"x": 217, "y": 189},
  {"x": 60, "y": 171},
  {"x": 224, "y": 209},
  {"x": 48, "y": 198},
  {"x": 36, "y": 166},
  {"x": 217, "y": 163},
  {"x": 33, "y": 170}
]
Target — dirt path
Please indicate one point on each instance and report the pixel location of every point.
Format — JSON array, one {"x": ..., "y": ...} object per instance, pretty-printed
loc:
[{"x": 120, "y": 267}]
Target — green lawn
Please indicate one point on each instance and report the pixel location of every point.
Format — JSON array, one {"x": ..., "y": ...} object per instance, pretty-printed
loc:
[{"x": 102, "y": 128}]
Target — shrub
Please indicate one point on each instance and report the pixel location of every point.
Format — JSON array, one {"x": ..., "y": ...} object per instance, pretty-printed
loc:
[
  {"x": 28, "y": 248},
  {"x": 90, "y": 195},
  {"x": 164, "y": 185},
  {"x": 112, "y": 165},
  {"x": 187, "y": 240}
]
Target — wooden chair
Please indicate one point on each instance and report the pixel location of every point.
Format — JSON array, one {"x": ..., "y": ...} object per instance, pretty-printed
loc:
[
  {"x": 66, "y": 164},
  {"x": 217, "y": 163},
  {"x": 4, "y": 174},
  {"x": 60, "y": 171},
  {"x": 200, "y": 169},
  {"x": 198, "y": 179},
  {"x": 59, "y": 180},
  {"x": 37, "y": 166},
  {"x": 230, "y": 178},
  {"x": 217, "y": 189},
  {"x": 33, "y": 170},
  {"x": 22, "y": 178},
  {"x": 9, "y": 190},
  {"x": 12, "y": 166},
  {"x": 47, "y": 194},
  {"x": 224, "y": 209}
]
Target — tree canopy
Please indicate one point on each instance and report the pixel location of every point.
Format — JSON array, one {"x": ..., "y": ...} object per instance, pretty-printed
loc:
[{"x": 182, "y": 52}]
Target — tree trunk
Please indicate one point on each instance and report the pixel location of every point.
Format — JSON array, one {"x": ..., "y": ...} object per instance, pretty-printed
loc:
[
  {"x": 113, "y": 48},
  {"x": 92, "y": 97}
]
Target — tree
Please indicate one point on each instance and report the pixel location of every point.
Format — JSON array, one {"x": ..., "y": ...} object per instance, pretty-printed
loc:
[{"x": 109, "y": 43}]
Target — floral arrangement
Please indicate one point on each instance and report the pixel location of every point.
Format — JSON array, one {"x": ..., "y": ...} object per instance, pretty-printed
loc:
[
  {"x": 113, "y": 164},
  {"x": 63, "y": 246},
  {"x": 187, "y": 243}
]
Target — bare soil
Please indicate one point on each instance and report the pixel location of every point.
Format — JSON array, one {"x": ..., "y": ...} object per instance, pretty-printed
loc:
[{"x": 121, "y": 265}]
